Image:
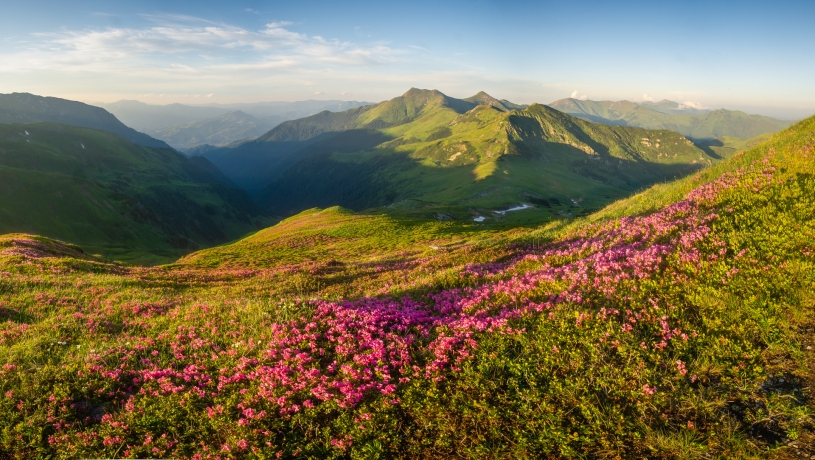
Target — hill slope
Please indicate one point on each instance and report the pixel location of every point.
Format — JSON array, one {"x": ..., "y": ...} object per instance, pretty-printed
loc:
[
  {"x": 695, "y": 124},
  {"x": 94, "y": 188},
  {"x": 28, "y": 108}
]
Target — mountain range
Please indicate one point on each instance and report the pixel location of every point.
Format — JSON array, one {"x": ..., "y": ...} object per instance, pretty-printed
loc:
[
  {"x": 696, "y": 124},
  {"x": 428, "y": 152},
  {"x": 422, "y": 154},
  {"x": 185, "y": 126},
  {"x": 219, "y": 131}
]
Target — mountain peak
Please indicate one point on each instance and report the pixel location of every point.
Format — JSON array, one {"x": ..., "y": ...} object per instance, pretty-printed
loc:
[
  {"x": 482, "y": 98},
  {"x": 418, "y": 92}
]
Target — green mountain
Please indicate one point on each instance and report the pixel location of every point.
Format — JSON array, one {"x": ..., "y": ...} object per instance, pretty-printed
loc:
[
  {"x": 464, "y": 158},
  {"x": 28, "y": 108},
  {"x": 96, "y": 189},
  {"x": 218, "y": 131},
  {"x": 693, "y": 123},
  {"x": 427, "y": 152}
]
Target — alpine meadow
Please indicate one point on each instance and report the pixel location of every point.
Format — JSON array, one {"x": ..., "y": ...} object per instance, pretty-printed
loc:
[{"x": 211, "y": 246}]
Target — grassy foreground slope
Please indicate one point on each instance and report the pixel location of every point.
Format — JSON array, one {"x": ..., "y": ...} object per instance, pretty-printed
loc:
[
  {"x": 113, "y": 197},
  {"x": 669, "y": 326}
]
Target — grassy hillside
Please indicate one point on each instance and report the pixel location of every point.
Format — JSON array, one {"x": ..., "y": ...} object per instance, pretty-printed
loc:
[
  {"x": 125, "y": 201},
  {"x": 694, "y": 124},
  {"x": 435, "y": 155},
  {"x": 675, "y": 324},
  {"x": 28, "y": 108}
]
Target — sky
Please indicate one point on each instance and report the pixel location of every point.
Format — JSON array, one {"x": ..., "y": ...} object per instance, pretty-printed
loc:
[{"x": 757, "y": 56}]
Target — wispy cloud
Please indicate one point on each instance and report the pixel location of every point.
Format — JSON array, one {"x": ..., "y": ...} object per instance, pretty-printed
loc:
[
  {"x": 577, "y": 95},
  {"x": 180, "y": 58},
  {"x": 175, "y": 38}
]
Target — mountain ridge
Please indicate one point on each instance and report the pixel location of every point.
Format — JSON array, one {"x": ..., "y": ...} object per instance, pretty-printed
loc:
[
  {"x": 696, "y": 124},
  {"x": 30, "y": 108},
  {"x": 463, "y": 159}
]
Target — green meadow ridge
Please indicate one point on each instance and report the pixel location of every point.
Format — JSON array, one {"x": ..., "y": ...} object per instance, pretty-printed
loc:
[
  {"x": 126, "y": 201},
  {"x": 699, "y": 125},
  {"x": 429, "y": 153},
  {"x": 28, "y": 108},
  {"x": 673, "y": 324}
]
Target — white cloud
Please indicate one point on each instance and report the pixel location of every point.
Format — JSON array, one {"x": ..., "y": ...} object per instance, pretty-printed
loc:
[
  {"x": 346, "y": 93},
  {"x": 186, "y": 41},
  {"x": 318, "y": 93},
  {"x": 692, "y": 105},
  {"x": 577, "y": 95},
  {"x": 646, "y": 97},
  {"x": 182, "y": 59}
]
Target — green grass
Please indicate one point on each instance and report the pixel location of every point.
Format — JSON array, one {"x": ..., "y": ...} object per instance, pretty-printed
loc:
[{"x": 117, "y": 199}]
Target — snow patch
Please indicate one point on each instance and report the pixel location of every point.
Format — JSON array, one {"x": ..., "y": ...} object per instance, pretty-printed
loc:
[
  {"x": 479, "y": 219},
  {"x": 516, "y": 208},
  {"x": 26, "y": 133}
]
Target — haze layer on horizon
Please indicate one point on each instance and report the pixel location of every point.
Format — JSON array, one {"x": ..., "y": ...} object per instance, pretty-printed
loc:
[{"x": 752, "y": 56}]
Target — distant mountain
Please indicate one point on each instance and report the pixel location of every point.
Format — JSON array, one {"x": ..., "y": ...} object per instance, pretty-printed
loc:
[
  {"x": 186, "y": 126},
  {"x": 291, "y": 110},
  {"x": 96, "y": 189},
  {"x": 694, "y": 123},
  {"x": 28, "y": 108},
  {"x": 427, "y": 152},
  {"x": 218, "y": 131},
  {"x": 151, "y": 118}
]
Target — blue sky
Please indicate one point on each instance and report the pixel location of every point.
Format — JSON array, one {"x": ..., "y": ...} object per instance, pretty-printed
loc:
[{"x": 754, "y": 56}]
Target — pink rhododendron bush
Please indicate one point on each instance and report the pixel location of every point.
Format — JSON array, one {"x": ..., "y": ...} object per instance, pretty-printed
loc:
[{"x": 670, "y": 333}]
